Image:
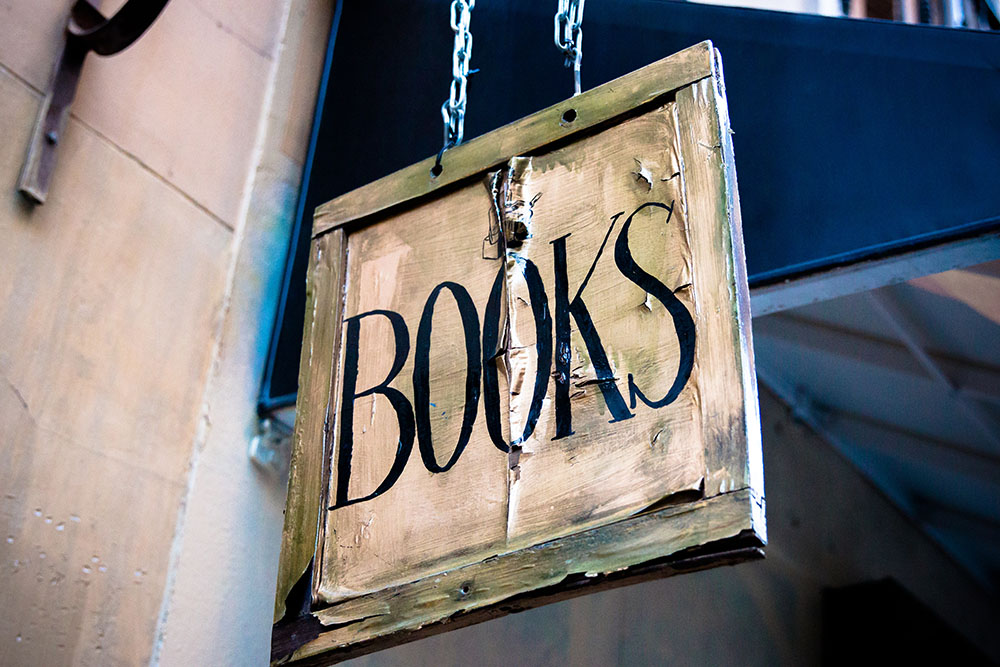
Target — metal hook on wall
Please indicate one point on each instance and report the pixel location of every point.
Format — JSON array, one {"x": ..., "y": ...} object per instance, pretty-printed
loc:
[{"x": 87, "y": 30}]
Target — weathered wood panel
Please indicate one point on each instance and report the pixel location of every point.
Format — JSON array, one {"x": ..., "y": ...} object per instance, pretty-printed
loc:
[
  {"x": 733, "y": 448},
  {"x": 594, "y": 210},
  {"x": 544, "y": 369},
  {"x": 766, "y": 613},
  {"x": 327, "y": 266},
  {"x": 521, "y": 137},
  {"x": 428, "y": 521},
  {"x": 504, "y": 584}
]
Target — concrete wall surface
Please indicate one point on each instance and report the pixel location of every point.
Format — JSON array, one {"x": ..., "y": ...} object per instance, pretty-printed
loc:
[
  {"x": 129, "y": 363},
  {"x": 135, "y": 308}
]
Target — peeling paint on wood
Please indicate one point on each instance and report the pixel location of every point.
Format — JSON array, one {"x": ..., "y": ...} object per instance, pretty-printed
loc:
[{"x": 540, "y": 372}]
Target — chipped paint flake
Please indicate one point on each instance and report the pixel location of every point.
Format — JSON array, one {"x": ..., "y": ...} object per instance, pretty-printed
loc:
[{"x": 643, "y": 174}]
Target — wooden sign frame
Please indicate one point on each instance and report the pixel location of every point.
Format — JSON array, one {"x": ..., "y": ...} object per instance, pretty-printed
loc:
[{"x": 721, "y": 523}]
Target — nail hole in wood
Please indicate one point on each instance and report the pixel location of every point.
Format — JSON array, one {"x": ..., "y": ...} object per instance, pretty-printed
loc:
[{"x": 569, "y": 115}]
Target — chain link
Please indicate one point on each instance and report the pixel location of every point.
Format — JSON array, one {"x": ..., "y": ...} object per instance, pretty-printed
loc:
[
  {"x": 453, "y": 109},
  {"x": 569, "y": 36}
]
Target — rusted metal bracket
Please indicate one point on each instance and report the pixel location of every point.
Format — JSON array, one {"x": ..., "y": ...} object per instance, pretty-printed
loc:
[{"x": 87, "y": 30}]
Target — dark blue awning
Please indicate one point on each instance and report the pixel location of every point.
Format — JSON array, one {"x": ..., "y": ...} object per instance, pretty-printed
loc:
[{"x": 854, "y": 138}]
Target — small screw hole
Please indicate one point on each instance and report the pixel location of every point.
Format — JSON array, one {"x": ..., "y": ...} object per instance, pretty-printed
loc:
[
  {"x": 569, "y": 115},
  {"x": 464, "y": 589},
  {"x": 436, "y": 170}
]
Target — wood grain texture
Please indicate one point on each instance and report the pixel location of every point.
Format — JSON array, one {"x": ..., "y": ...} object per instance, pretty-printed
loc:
[
  {"x": 558, "y": 569},
  {"x": 733, "y": 452},
  {"x": 421, "y": 525},
  {"x": 609, "y": 468},
  {"x": 310, "y": 448},
  {"x": 613, "y": 266},
  {"x": 591, "y": 108}
]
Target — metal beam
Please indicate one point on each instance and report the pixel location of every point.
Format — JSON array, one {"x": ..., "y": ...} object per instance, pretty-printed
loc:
[
  {"x": 972, "y": 380},
  {"x": 847, "y": 431},
  {"x": 965, "y": 534},
  {"x": 872, "y": 274},
  {"x": 947, "y": 517},
  {"x": 891, "y": 440},
  {"x": 934, "y": 453},
  {"x": 886, "y": 306}
]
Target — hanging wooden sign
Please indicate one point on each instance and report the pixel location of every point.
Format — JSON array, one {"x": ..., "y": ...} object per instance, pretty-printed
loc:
[{"x": 527, "y": 376}]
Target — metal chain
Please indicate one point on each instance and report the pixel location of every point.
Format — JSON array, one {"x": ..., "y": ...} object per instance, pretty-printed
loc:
[
  {"x": 569, "y": 36},
  {"x": 453, "y": 110}
]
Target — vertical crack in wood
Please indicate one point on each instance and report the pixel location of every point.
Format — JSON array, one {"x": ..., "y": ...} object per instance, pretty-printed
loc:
[
  {"x": 497, "y": 184},
  {"x": 515, "y": 204},
  {"x": 555, "y": 542}
]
